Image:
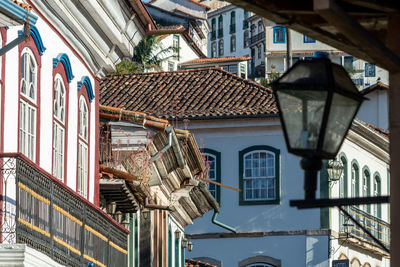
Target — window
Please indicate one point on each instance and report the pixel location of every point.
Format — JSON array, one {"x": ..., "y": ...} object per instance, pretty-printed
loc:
[
  {"x": 348, "y": 62},
  {"x": 245, "y": 38},
  {"x": 307, "y": 39},
  {"x": 259, "y": 175},
  {"x": 245, "y": 22},
  {"x": 221, "y": 47},
  {"x": 28, "y": 104},
  {"x": 370, "y": 70},
  {"x": 377, "y": 192},
  {"x": 343, "y": 190},
  {"x": 279, "y": 33},
  {"x": 233, "y": 23},
  {"x": 253, "y": 30},
  {"x": 233, "y": 69},
  {"x": 260, "y": 261},
  {"x": 213, "y": 49},
  {"x": 171, "y": 66},
  {"x": 212, "y": 160},
  {"x": 213, "y": 29},
  {"x": 83, "y": 147},
  {"x": 58, "y": 127},
  {"x": 259, "y": 51},
  {"x": 233, "y": 43},
  {"x": 175, "y": 45},
  {"x": 260, "y": 27},
  {"x": 355, "y": 180},
  {"x": 220, "y": 27},
  {"x": 366, "y": 187}
]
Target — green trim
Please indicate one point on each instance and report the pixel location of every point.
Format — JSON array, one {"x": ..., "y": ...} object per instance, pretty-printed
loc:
[
  {"x": 232, "y": 26},
  {"x": 220, "y": 27},
  {"x": 130, "y": 239},
  {"x": 365, "y": 169},
  {"x": 136, "y": 241},
  {"x": 177, "y": 263},
  {"x": 324, "y": 191},
  {"x": 169, "y": 248},
  {"x": 379, "y": 206},
  {"x": 217, "y": 156},
  {"x": 342, "y": 156},
  {"x": 277, "y": 175},
  {"x": 182, "y": 255},
  {"x": 354, "y": 162}
]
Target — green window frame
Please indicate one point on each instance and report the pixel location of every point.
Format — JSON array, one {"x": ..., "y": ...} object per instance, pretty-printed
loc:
[
  {"x": 232, "y": 28},
  {"x": 169, "y": 249},
  {"x": 209, "y": 153},
  {"x": 355, "y": 178},
  {"x": 366, "y": 186},
  {"x": 213, "y": 29},
  {"x": 133, "y": 240},
  {"x": 177, "y": 259},
  {"x": 252, "y": 150},
  {"x": 377, "y": 191},
  {"x": 220, "y": 26},
  {"x": 343, "y": 191}
]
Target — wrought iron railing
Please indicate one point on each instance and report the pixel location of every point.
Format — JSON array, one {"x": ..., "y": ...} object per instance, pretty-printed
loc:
[
  {"x": 258, "y": 37},
  {"x": 377, "y": 227},
  {"x": 43, "y": 213}
]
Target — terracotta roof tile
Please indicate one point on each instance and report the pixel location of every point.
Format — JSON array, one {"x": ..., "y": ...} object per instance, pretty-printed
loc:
[
  {"x": 24, "y": 6},
  {"x": 377, "y": 130},
  {"x": 214, "y": 59},
  {"x": 376, "y": 86},
  {"x": 200, "y": 4},
  {"x": 193, "y": 94},
  {"x": 196, "y": 263}
]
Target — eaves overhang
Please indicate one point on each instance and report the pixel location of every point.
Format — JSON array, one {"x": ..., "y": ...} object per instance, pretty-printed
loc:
[{"x": 11, "y": 14}]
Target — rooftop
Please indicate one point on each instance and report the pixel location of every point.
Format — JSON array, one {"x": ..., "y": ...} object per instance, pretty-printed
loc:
[
  {"x": 377, "y": 86},
  {"x": 215, "y": 59},
  {"x": 193, "y": 94}
]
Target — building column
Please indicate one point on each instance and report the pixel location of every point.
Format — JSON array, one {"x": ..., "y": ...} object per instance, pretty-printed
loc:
[{"x": 394, "y": 128}]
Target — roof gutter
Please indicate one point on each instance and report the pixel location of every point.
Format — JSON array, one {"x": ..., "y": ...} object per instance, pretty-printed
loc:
[
  {"x": 150, "y": 31},
  {"x": 17, "y": 13},
  {"x": 215, "y": 206}
]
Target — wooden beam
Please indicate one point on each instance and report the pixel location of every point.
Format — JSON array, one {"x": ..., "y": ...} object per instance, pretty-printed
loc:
[
  {"x": 355, "y": 33},
  {"x": 380, "y": 5}
]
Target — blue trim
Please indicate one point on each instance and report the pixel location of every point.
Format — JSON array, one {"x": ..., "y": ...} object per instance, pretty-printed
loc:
[
  {"x": 284, "y": 35},
  {"x": 37, "y": 38},
  {"x": 348, "y": 58},
  {"x": 307, "y": 39},
  {"x": 64, "y": 59},
  {"x": 17, "y": 13},
  {"x": 86, "y": 81},
  {"x": 369, "y": 65}
]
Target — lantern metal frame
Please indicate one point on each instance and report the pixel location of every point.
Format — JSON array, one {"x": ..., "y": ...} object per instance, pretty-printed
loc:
[{"x": 330, "y": 88}]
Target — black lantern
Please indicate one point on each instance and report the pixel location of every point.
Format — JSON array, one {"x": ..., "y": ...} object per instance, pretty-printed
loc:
[{"x": 317, "y": 102}]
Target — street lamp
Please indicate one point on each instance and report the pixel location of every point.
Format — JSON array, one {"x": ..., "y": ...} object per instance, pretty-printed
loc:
[
  {"x": 317, "y": 102},
  {"x": 335, "y": 169},
  {"x": 348, "y": 227},
  {"x": 190, "y": 246}
]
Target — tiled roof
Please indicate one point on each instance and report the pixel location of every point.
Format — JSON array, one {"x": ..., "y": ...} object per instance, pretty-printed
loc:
[
  {"x": 24, "y": 6},
  {"x": 375, "y": 129},
  {"x": 196, "y": 263},
  {"x": 214, "y": 59},
  {"x": 187, "y": 13},
  {"x": 376, "y": 86},
  {"x": 192, "y": 94},
  {"x": 200, "y": 4}
]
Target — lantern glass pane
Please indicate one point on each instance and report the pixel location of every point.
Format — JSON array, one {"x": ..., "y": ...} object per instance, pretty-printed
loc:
[
  {"x": 302, "y": 112},
  {"x": 342, "y": 112},
  {"x": 313, "y": 72}
]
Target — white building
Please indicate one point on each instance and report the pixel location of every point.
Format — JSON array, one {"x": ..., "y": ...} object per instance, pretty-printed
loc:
[
  {"x": 236, "y": 124},
  {"x": 49, "y": 127}
]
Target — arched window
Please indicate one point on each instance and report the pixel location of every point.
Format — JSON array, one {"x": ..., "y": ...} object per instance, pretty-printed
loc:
[
  {"x": 260, "y": 261},
  {"x": 355, "y": 180},
  {"x": 83, "y": 147},
  {"x": 279, "y": 34},
  {"x": 260, "y": 27},
  {"x": 213, "y": 49},
  {"x": 59, "y": 106},
  {"x": 212, "y": 159},
  {"x": 366, "y": 186},
  {"x": 343, "y": 188},
  {"x": 377, "y": 192},
  {"x": 28, "y": 104},
  {"x": 259, "y": 175},
  {"x": 245, "y": 38},
  {"x": 221, "y": 47},
  {"x": 233, "y": 43}
]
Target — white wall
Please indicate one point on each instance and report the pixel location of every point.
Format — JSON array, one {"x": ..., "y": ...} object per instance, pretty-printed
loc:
[
  {"x": 186, "y": 52},
  {"x": 54, "y": 46},
  {"x": 374, "y": 110}
]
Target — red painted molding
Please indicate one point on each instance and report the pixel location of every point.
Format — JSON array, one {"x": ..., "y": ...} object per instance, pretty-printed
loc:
[
  {"x": 97, "y": 142},
  {"x": 60, "y": 69}
]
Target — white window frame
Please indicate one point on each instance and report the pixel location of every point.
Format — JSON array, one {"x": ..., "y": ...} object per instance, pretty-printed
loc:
[
  {"x": 27, "y": 129},
  {"x": 83, "y": 152},
  {"x": 28, "y": 58},
  {"x": 259, "y": 177},
  {"x": 82, "y": 169}
]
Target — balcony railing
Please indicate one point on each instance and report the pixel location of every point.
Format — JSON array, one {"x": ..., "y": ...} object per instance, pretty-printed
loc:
[
  {"x": 41, "y": 212},
  {"x": 258, "y": 37},
  {"x": 378, "y": 228}
]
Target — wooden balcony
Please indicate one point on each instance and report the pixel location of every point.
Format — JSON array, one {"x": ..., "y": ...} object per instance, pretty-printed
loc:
[{"x": 43, "y": 213}]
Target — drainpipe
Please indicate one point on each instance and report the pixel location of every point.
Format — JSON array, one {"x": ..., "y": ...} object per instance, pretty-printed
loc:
[
  {"x": 159, "y": 153},
  {"x": 176, "y": 147},
  {"x": 215, "y": 206}
]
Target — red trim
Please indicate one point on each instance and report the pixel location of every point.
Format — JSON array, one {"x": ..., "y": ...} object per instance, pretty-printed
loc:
[
  {"x": 60, "y": 69},
  {"x": 83, "y": 92},
  {"x": 97, "y": 142},
  {"x": 61, "y": 37},
  {"x": 3, "y": 33},
  {"x": 54, "y": 179},
  {"x": 30, "y": 43}
]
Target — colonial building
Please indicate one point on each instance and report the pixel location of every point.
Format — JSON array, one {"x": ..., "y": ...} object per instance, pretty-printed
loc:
[
  {"x": 49, "y": 132},
  {"x": 238, "y": 130}
]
